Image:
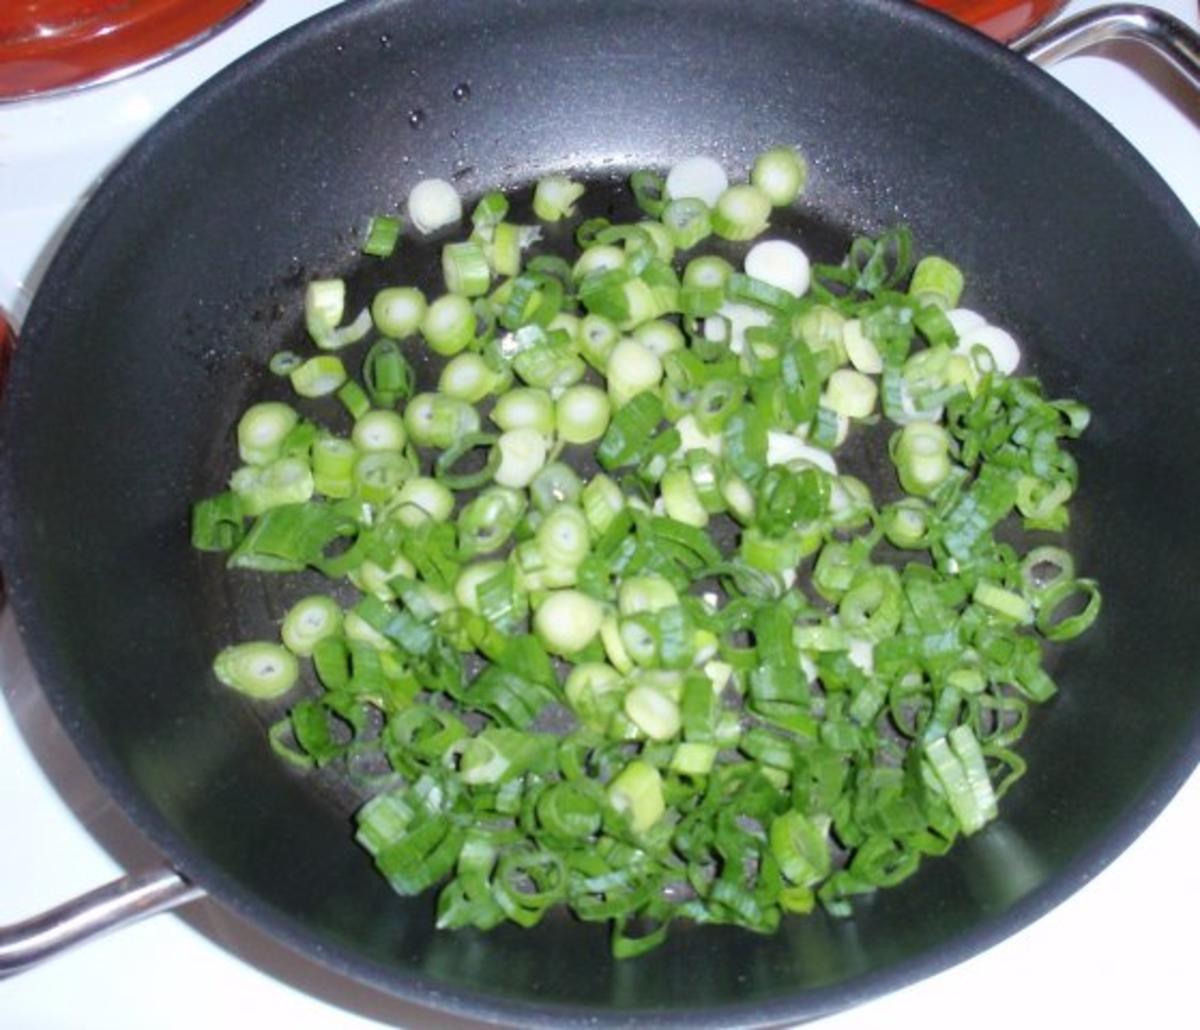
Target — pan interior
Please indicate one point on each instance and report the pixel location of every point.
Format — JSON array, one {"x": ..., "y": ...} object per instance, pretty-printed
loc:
[{"x": 153, "y": 328}]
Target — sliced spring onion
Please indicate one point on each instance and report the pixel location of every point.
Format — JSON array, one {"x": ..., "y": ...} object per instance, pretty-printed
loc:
[
  {"x": 525, "y": 408},
  {"x": 382, "y": 236},
  {"x": 936, "y": 281},
  {"x": 333, "y": 466},
  {"x": 555, "y": 197},
  {"x": 733, "y": 730},
  {"x": 779, "y": 263},
  {"x": 398, "y": 311},
  {"x": 468, "y": 377},
  {"x": 449, "y": 324},
  {"x": 434, "y": 420},
  {"x": 567, "y": 621},
  {"x": 308, "y": 622},
  {"x": 781, "y": 174},
  {"x": 741, "y": 213},
  {"x": 632, "y": 369},
  {"x": 522, "y": 455},
  {"x": 379, "y": 431},
  {"x": 324, "y": 305},
  {"x": 637, "y": 792},
  {"x": 284, "y": 362},
  {"x": 259, "y": 669},
  {"x": 319, "y": 376},
  {"x": 851, "y": 393},
  {"x": 688, "y": 221},
  {"x": 465, "y": 269},
  {"x": 581, "y": 414},
  {"x": 422, "y": 499},
  {"x": 433, "y": 204},
  {"x": 697, "y": 178},
  {"x": 262, "y": 430}
]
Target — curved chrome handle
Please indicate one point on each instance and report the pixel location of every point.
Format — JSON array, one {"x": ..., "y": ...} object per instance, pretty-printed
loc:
[
  {"x": 26, "y": 944},
  {"x": 1174, "y": 40}
]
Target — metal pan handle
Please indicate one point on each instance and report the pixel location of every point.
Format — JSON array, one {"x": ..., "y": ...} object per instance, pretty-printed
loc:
[
  {"x": 1163, "y": 32},
  {"x": 115, "y": 905}
]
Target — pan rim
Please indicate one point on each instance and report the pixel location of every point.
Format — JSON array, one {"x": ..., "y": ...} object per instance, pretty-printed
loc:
[{"x": 417, "y": 988}]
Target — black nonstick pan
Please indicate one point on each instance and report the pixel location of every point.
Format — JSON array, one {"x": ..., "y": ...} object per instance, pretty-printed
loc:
[{"x": 152, "y": 328}]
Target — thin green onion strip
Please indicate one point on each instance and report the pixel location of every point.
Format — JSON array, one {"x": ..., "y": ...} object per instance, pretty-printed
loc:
[{"x": 767, "y": 746}]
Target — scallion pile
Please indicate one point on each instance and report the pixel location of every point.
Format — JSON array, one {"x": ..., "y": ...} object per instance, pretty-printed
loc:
[{"x": 623, "y": 635}]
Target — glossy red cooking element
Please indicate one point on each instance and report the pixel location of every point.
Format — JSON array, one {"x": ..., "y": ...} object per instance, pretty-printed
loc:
[
  {"x": 8, "y": 341},
  {"x": 54, "y": 44},
  {"x": 1003, "y": 20}
]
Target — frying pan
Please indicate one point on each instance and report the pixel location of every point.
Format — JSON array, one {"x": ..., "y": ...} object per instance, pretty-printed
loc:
[{"x": 151, "y": 331}]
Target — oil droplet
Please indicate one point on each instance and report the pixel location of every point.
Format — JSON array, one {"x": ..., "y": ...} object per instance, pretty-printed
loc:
[
  {"x": 461, "y": 92},
  {"x": 416, "y": 118},
  {"x": 385, "y": 40},
  {"x": 340, "y": 48}
]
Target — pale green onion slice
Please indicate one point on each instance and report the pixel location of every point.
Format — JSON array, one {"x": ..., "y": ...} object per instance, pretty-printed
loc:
[
  {"x": 922, "y": 457},
  {"x": 850, "y": 393},
  {"x": 422, "y": 499},
  {"x": 508, "y": 241},
  {"x": 563, "y": 538},
  {"x": 433, "y": 204},
  {"x": 324, "y": 305},
  {"x": 660, "y": 336},
  {"x": 468, "y": 377},
  {"x": 664, "y": 248},
  {"x": 262, "y": 430},
  {"x": 284, "y": 362},
  {"x": 378, "y": 475},
  {"x": 863, "y": 354},
  {"x": 449, "y": 324},
  {"x": 469, "y": 579},
  {"x": 433, "y": 420},
  {"x": 601, "y": 258},
  {"x": 285, "y": 480},
  {"x": 687, "y": 221},
  {"x": 379, "y": 431},
  {"x": 258, "y": 669},
  {"x": 525, "y": 407},
  {"x": 653, "y": 712},
  {"x": 632, "y": 369},
  {"x": 637, "y": 792},
  {"x": 1003, "y": 352},
  {"x": 308, "y": 622},
  {"x": 641, "y": 594},
  {"x": 373, "y": 578},
  {"x": 554, "y": 198},
  {"x": 582, "y": 413},
  {"x": 680, "y": 499},
  {"x": 319, "y": 376},
  {"x": 1005, "y": 603},
  {"x": 741, "y": 213},
  {"x": 786, "y": 448},
  {"x": 781, "y": 264},
  {"x": 567, "y": 621},
  {"x": 382, "y": 236},
  {"x": 333, "y": 466},
  {"x": 699, "y": 178},
  {"x": 465, "y": 269},
  {"x": 398, "y": 310},
  {"x": 522, "y": 455},
  {"x": 781, "y": 174},
  {"x": 936, "y": 281},
  {"x": 597, "y": 338}
]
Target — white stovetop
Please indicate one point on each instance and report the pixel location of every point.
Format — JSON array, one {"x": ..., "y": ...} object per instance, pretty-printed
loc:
[{"x": 1119, "y": 951}]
